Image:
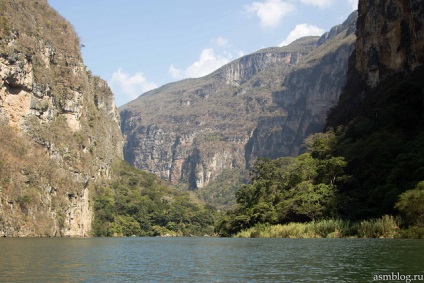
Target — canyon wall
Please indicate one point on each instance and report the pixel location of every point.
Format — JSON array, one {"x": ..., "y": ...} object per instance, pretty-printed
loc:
[
  {"x": 261, "y": 105},
  {"x": 62, "y": 119}
]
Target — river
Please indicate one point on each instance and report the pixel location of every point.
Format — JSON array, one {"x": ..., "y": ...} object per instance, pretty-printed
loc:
[{"x": 209, "y": 260}]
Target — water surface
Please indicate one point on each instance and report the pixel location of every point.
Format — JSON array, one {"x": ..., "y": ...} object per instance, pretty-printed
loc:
[{"x": 206, "y": 259}]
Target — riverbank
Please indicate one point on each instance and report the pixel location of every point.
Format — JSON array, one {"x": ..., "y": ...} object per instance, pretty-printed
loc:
[{"x": 384, "y": 227}]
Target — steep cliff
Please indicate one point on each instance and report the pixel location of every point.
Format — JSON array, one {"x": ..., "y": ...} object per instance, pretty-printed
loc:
[
  {"x": 307, "y": 93},
  {"x": 379, "y": 119},
  {"x": 389, "y": 48},
  {"x": 60, "y": 126},
  {"x": 262, "y": 104},
  {"x": 190, "y": 131},
  {"x": 390, "y": 39}
]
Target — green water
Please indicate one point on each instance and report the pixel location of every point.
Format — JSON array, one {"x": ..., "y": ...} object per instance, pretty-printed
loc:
[{"x": 208, "y": 260}]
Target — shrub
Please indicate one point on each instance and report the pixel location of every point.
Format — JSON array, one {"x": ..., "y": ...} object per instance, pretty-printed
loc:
[
  {"x": 411, "y": 205},
  {"x": 412, "y": 232},
  {"x": 384, "y": 227}
]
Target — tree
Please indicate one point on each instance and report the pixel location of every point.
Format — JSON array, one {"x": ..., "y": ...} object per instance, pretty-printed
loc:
[{"x": 289, "y": 189}]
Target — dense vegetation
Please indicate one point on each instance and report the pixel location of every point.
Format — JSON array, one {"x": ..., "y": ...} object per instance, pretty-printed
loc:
[
  {"x": 384, "y": 148},
  {"x": 221, "y": 191},
  {"x": 289, "y": 189},
  {"x": 138, "y": 203},
  {"x": 370, "y": 168}
]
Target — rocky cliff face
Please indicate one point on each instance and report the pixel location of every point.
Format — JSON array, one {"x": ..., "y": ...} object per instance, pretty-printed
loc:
[
  {"x": 388, "y": 50},
  {"x": 62, "y": 118},
  {"x": 390, "y": 38},
  {"x": 190, "y": 131},
  {"x": 307, "y": 94},
  {"x": 263, "y": 104}
]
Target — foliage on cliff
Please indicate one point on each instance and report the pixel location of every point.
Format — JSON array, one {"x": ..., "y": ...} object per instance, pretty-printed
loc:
[
  {"x": 37, "y": 19},
  {"x": 138, "y": 203},
  {"x": 220, "y": 193},
  {"x": 30, "y": 185},
  {"x": 384, "y": 147},
  {"x": 381, "y": 112}
]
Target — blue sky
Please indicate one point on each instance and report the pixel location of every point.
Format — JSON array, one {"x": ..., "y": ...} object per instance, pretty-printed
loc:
[{"x": 138, "y": 45}]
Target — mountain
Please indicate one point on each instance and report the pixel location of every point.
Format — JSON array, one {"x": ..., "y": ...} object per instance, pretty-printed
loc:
[
  {"x": 261, "y": 105},
  {"x": 60, "y": 130}
]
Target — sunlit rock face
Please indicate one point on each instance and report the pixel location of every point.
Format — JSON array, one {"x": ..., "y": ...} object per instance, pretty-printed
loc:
[
  {"x": 63, "y": 119},
  {"x": 389, "y": 49},
  {"x": 390, "y": 38}
]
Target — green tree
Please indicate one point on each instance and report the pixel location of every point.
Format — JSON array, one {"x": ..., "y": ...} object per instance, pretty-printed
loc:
[
  {"x": 138, "y": 203},
  {"x": 289, "y": 189}
]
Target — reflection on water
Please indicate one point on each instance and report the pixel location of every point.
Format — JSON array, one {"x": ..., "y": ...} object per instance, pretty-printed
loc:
[{"x": 206, "y": 259}]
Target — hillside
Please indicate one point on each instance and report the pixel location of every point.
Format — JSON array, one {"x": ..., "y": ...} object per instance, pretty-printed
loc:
[{"x": 261, "y": 105}]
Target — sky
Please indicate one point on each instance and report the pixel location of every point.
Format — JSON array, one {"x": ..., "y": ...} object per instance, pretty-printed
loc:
[{"x": 139, "y": 45}]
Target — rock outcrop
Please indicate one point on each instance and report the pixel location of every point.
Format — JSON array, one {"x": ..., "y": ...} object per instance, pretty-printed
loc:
[
  {"x": 261, "y": 105},
  {"x": 390, "y": 38},
  {"x": 308, "y": 92},
  {"x": 62, "y": 118},
  {"x": 389, "y": 48}
]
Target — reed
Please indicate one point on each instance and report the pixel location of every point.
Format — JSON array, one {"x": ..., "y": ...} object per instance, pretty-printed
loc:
[{"x": 384, "y": 227}]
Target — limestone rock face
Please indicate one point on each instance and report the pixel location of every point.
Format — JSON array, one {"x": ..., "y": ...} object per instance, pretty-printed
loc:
[
  {"x": 389, "y": 47},
  {"x": 390, "y": 38},
  {"x": 240, "y": 71},
  {"x": 63, "y": 118},
  {"x": 307, "y": 94},
  {"x": 261, "y": 105}
]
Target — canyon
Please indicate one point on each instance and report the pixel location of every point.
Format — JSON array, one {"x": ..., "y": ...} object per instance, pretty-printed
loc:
[{"x": 261, "y": 105}]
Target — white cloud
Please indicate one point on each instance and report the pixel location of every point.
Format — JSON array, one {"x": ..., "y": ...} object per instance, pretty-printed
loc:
[
  {"x": 207, "y": 63},
  {"x": 319, "y": 3},
  {"x": 175, "y": 73},
  {"x": 127, "y": 87},
  {"x": 270, "y": 12},
  {"x": 302, "y": 30},
  {"x": 353, "y": 4},
  {"x": 220, "y": 41}
]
